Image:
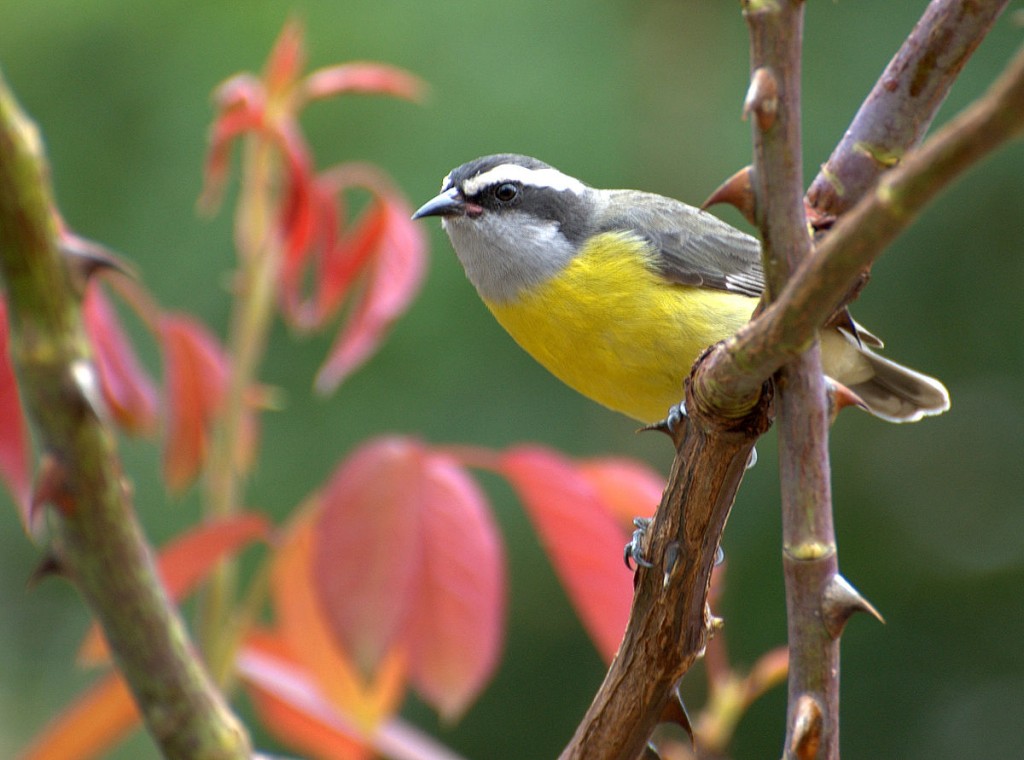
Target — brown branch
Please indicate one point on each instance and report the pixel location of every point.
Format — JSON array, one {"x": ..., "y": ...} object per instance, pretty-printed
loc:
[
  {"x": 809, "y": 554},
  {"x": 670, "y": 623},
  {"x": 96, "y": 542},
  {"x": 896, "y": 113},
  {"x": 728, "y": 411},
  {"x": 786, "y": 328}
]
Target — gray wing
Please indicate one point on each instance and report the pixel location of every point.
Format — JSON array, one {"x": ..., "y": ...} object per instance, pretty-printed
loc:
[{"x": 695, "y": 247}]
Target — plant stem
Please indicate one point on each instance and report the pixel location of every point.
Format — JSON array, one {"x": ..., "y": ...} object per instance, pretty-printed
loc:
[
  {"x": 896, "y": 113},
  {"x": 253, "y": 308},
  {"x": 809, "y": 552},
  {"x": 97, "y": 542}
]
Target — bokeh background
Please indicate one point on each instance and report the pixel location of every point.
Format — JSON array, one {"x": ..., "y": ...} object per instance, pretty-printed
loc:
[{"x": 642, "y": 94}]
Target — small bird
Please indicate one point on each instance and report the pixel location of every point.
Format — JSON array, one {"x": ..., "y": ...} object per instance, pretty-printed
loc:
[{"x": 617, "y": 292}]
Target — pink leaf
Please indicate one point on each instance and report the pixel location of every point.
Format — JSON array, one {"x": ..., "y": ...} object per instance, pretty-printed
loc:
[
  {"x": 15, "y": 470},
  {"x": 580, "y": 536},
  {"x": 367, "y": 78},
  {"x": 98, "y": 719},
  {"x": 455, "y": 633},
  {"x": 628, "y": 488},
  {"x": 241, "y": 102},
  {"x": 286, "y": 59},
  {"x": 344, "y": 261},
  {"x": 196, "y": 372},
  {"x": 394, "y": 279},
  {"x": 290, "y": 703},
  {"x": 127, "y": 388},
  {"x": 367, "y": 553}
]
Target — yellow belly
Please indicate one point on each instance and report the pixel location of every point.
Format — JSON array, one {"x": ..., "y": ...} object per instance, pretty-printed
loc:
[{"x": 611, "y": 328}]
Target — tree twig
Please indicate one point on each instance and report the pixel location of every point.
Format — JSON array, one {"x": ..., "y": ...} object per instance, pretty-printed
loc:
[
  {"x": 96, "y": 541},
  {"x": 670, "y": 623},
  {"x": 809, "y": 550},
  {"x": 896, "y": 113},
  {"x": 787, "y": 327},
  {"x": 667, "y": 620}
]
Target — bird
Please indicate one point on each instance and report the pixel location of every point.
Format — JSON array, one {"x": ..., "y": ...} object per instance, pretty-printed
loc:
[{"x": 617, "y": 292}]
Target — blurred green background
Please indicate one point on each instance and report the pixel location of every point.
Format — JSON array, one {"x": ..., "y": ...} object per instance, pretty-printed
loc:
[{"x": 641, "y": 94}]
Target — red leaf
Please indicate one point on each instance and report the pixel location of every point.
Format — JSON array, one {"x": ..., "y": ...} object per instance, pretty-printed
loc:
[
  {"x": 580, "y": 536},
  {"x": 346, "y": 259},
  {"x": 127, "y": 388},
  {"x": 185, "y": 562},
  {"x": 92, "y": 724},
  {"x": 367, "y": 553},
  {"x": 366, "y": 78},
  {"x": 395, "y": 277},
  {"x": 455, "y": 633},
  {"x": 291, "y": 705},
  {"x": 196, "y": 373},
  {"x": 306, "y": 629},
  {"x": 627, "y": 487},
  {"x": 15, "y": 470},
  {"x": 242, "y": 107},
  {"x": 286, "y": 59}
]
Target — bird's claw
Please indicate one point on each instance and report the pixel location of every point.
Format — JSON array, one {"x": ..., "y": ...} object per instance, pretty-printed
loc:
[
  {"x": 670, "y": 425},
  {"x": 633, "y": 551}
]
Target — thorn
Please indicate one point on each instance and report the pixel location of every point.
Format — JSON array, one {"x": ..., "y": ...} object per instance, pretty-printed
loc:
[
  {"x": 751, "y": 459},
  {"x": 51, "y": 487},
  {"x": 819, "y": 221},
  {"x": 840, "y": 397},
  {"x": 48, "y": 567},
  {"x": 650, "y": 752},
  {"x": 737, "y": 191},
  {"x": 85, "y": 258},
  {"x": 840, "y": 601},
  {"x": 672, "y": 425},
  {"x": 675, "y": 712},
  {"x": 762, "y": 99},
  {"x": 673, "y": 552},
  {"x": 808, "y": 722},
  {"x": 87, "y": 383},
  {"x": 715, "y": 623}
]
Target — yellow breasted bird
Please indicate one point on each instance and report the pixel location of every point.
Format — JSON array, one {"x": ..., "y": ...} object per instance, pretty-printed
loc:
[{"x": 616, "y": 292}]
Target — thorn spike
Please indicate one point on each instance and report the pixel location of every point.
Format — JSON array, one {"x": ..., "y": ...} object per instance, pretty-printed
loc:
[
  {"x": 762, "y": 98},
  {"x": 675, "y": 712},
  {"x": 673, "y": 553},
  {"x": 808, "y": 725},
  {"x": 86, "y": 258},
  {"x": 840, "y": 601},
  {"x": 737, "y": 191},
  {"x": 51, "y": 487},
  {"x": 840, "y": 397},
  {"x": 48, "y": 567}
]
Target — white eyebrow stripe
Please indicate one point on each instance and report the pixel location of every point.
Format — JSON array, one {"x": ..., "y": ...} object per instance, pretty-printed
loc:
[{"x": 546, "y": 178}]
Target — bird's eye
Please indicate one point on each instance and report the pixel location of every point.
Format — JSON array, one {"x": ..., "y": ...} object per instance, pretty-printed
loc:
[{"x": 506, "y": 192}]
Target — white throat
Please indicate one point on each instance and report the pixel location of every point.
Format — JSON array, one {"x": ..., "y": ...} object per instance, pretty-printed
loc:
[{"x": 505, "y": 253}]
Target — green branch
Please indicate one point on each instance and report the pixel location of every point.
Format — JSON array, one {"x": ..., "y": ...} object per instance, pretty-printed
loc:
[{"x": 96, "y": 540}]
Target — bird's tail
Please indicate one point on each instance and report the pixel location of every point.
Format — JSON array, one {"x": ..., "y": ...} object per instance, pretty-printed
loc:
[{"x": 889, "y": 390}]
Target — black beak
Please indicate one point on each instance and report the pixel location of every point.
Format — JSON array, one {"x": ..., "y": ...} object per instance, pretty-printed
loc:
[{"x": 448, "y": 203}]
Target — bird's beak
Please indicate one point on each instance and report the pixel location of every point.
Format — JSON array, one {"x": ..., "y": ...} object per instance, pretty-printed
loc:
[{"x": 448, "y": 203}]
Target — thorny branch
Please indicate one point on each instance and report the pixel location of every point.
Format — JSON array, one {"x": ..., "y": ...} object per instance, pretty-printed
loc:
[
  {"x": 725, "y": 394},
  {"x": 96, "y": 542}
]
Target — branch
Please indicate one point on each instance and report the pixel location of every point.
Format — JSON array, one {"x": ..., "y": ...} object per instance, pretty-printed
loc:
[
  {"x": 897, "y": 112},
  {"x": 670, "y": 623},
  {"x": 97, "y": 542},
  {"x": 809, "y": 552},
  {"x": 729, "y": 409},
  {"x": 733, "y": 370}
]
